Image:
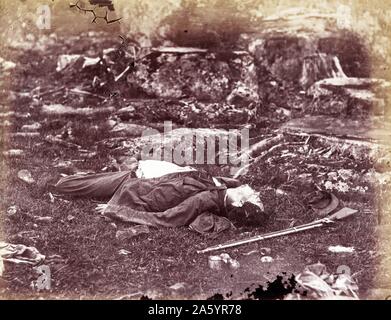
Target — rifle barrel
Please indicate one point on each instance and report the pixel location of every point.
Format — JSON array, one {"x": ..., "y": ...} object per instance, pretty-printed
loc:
[
  {"x": 261, "y": 237},
  {"x": 265, "y": 236},
  {"x": 341, "y": 214}
]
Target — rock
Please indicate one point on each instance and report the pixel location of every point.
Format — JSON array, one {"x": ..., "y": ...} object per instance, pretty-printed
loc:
[
  {"x": 304, "y": 179},
  {"x": 267, "y": 259},
  {"x": 234, "y": 264},
  {"x": 280, "y": 192},
  {"x": 6, "y": 65},
  {"x": 26, "y": 176},
  {"x": 346, "y": 174},
  {"x": 111, "y": 123},
  {"x": 129, "y": 129},
  {"x": 122, "y": 235},
  {"x": 153, "y": 294},
  {"x": 32, "y": 127},
  {"x": 265, "y": 251},
  {"x": 183, "y": 141},
  {"x": 12, "y": 210},
  {"x": 66, "y": 164},
  {"x": 253, "y": 44},
  {"x": 340, "y": 249},
  {"x": 242, "y": 95},
  {"x": 196, "y": 112},
  {"x": 215, "y": 262},
  {"x": 123, "y": 252},
  {"x": 178, "y": 286},
  {"x": 225, "y": 257},
  {"x": 126, "y": 113},
  {"x": 205, "y": 76},
  {"x": 70, "y": 218},
  {"x": 283, "y": 112},
  {"x": 223, "y": 260}
]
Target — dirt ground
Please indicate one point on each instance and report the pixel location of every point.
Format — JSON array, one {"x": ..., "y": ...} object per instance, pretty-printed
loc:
[{"x": 89, "y": 264}]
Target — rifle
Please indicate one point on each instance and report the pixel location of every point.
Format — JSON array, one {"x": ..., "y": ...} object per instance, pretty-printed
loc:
[{"x": 339, "y": 215}]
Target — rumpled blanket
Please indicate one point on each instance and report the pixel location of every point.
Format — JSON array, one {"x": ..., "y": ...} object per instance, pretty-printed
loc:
[
  {"x": 20, "y": 254},
  {"x": 316, "y": 283}
]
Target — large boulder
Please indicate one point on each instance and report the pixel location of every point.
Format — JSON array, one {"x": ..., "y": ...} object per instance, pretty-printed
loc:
[
  {"x": 204, "y": 75},
  {"x": 190, "y": 145}
]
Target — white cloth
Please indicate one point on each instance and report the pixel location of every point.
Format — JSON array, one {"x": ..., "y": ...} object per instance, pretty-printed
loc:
[{"x": 148, "y": 169}]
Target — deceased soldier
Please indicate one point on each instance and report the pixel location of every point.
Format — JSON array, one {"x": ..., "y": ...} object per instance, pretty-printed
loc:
[{"x": 160, "y": 193}]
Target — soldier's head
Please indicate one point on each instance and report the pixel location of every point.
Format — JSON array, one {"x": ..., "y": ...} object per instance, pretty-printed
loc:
[{"x": 244, "y": 206}]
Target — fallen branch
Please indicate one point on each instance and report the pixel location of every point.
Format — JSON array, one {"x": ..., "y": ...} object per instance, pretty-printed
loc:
[
  {"x": 260, "y": 146},
  {"x": 242, "y": 170},
  {"x": 54, "y": 140},
  {"x": 119, "y": 77},
  {"x": 61, "y": 110},
  {"x": 41, "y": 94},
  {"x": 86, "y": 93},
  {"x": 181, "y": 50},
  {"x": 285, "y": 144}
]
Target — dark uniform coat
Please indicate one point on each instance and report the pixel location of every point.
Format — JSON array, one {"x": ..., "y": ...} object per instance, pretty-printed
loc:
[{"x": 175, "y": 199}]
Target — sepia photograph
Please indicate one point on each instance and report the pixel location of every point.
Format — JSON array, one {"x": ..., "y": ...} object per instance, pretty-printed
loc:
[{"x": 221, "y": 150}]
